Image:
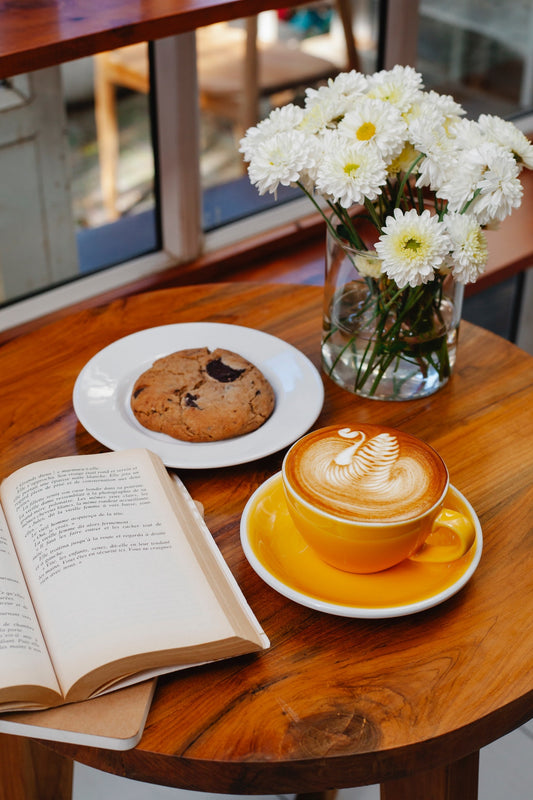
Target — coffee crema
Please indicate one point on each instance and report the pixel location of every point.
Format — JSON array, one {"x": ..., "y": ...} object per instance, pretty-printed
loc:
[{"x": 366, "y": 472}]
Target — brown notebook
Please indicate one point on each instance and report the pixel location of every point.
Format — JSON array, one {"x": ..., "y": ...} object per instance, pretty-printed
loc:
[{"x": 114, "y": 721}]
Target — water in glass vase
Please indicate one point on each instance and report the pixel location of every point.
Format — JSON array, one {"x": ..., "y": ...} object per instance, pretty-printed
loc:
[{"x": 370, "y": 351}]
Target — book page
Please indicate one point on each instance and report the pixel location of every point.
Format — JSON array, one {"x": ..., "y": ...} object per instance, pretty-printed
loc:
[
  {"x": 108, "y": 570},
  {"x": 24, "y": 659}
]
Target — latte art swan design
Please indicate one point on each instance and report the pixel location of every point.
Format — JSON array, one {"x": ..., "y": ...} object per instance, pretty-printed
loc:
[
  {"x": 369, "y": 462},
  {"x": 356, "y": 472}
]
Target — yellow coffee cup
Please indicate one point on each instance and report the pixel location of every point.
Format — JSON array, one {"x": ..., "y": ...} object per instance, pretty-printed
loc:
[{"x": 366, "y": 497}]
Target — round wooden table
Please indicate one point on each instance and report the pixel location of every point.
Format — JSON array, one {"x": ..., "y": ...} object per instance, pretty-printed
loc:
[{"x": 335, "y": 702}]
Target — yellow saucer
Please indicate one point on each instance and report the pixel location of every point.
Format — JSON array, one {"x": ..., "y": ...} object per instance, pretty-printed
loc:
[{"x": 279, "y": 555}]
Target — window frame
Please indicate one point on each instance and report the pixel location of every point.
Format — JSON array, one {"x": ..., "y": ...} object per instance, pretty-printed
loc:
[{"x": 178, "y": 172}]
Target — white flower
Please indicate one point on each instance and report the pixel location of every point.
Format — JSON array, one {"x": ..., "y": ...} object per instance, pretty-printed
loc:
[
  {"x": 467, "y": 134},
  {"x": 497, "y": 189},
  {"x": 350, "y": 172},
  {"x": 441, "y": 108},
  {"x": 282, "y": 119},
  {"x": 377, "y": 122},
  {"x": 486, "y": 182},
  {"x": 350, "y": 84},
  {"x": 368, "y": 265},
  {"x": 378, "y": 140},
  {"x": 316, "y": 148},
  {"x": 469, "y": 250},
  {"x": 460, "y": 184},
  {"x": 327, "y": 105},
  {"x": 398, "y": 86},
  {"x": 432, "y": 139},
  {"x": 412, "y": 247},
  {"x": 501, "y": 190},
  {"x": 405, "y": 160},
  {"x": 508, "y": 136},
  {"x": 321, "y": 117},
  {"x": 347, "y": 85},
  {"x": 281, "y": 159}
]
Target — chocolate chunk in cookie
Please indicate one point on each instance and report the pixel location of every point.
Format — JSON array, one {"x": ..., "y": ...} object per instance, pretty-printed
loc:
[{"x": 201, "y": 396}]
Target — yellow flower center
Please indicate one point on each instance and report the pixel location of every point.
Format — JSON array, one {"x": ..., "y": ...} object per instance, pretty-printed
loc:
[
  {"x": 351, "y": 168},
  {"x": 476, "y": 246},
  {"x": 366, "y": 131},
  {"x": 412, "y": 244}
]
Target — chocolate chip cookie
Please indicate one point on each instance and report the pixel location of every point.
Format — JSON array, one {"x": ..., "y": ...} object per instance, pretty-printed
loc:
[{"x": 198, "y": 395}]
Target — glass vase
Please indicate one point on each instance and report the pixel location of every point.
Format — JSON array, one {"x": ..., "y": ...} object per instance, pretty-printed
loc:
[{"x": 380, "y": 341}]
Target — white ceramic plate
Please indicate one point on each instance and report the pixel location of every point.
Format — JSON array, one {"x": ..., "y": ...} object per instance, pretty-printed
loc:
[
  {"x": 103, "y": 388},
  {"x": 279, "y": 555}
]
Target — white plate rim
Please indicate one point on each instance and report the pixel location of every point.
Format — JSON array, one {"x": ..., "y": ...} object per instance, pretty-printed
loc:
[
  {"x": 291, "y": 417},
  {"x": 356, "y": 612}
]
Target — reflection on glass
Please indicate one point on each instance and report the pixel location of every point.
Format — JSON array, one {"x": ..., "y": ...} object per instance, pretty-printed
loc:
[
  {"x": 295, "y": 48},
  {"x": 481, "y": 51},
  {"x": 111, "y": 153}
]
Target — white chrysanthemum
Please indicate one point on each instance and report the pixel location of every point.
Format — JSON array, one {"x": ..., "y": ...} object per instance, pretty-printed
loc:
[
  {"x": 486, "y": 178},
  {"x": 377, "y": 122},
  {"x": 324, "y": 116},
  {"x": 433, "y": 140},
  {"x": 412, "y": 247},
  {"x": 347, "y": 84},
  {"x": 430, "y": 116},
  {"x": 486, "y": 172},
  {"x": 500, "y": 186},
  {"x": 459, "y": 185},
  {"x": 368, "y": 265},
  {"x": 440, "y": 108},
  {"x": 351, "y": 83},
  {"x": 350, "y": 172},
  {"x": 285, "y": 118},
  {"x": 467, "y": 134},
  {"x": 398, "y": 86},
  {"x": 325, "y": 106},
  {"x": 469, "y": 249},
  {"x": 316, "y": 148},
  {"x": 507, "y": 135},
  {"x": 281, "y": 159},
  {"x": 404, "y": 161}
]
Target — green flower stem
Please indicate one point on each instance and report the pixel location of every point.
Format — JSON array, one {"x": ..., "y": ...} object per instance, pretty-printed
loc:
[
  {"x": 405, "y": 178},
  {"x": 373, "y": 215},
  {"x": 469, "y": 202},
  {"x": 341, "y": 214},
  {"x": 319, "y": 209},
  {"x": 405, "y": 325}
]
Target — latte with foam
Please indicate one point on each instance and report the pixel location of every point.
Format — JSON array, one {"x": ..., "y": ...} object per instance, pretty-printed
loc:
[{"x": 367, "y": 472}]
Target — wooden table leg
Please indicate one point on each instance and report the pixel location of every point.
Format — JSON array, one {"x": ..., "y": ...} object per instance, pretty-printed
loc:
[
  {"x": 457, "y": 781},
  {"x": 29, "y": 771}
]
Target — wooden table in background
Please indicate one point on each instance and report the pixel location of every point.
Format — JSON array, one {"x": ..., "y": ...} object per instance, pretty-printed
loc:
[
  {"x": 335, "y": 702},
  {"x": 40, "y": 33}
]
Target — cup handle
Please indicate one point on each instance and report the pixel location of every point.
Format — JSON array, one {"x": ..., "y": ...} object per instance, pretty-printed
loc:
[{"x": 438, "y": 548}]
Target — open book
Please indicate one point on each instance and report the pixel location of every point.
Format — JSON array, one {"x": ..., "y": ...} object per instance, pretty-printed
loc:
[{"x": 108, "y": 576}]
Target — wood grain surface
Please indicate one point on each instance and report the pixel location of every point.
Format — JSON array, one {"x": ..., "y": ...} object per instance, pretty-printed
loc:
[
  {"x": 41, "y": 33},
  {"x": 335, "y": 702}
]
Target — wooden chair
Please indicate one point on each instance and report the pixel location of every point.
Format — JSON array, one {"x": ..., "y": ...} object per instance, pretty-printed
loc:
[{"x": 235, "y": 69}]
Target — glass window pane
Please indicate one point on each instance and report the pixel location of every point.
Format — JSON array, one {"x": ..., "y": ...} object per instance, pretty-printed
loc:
[
  {"x": 295, "y": 48},
  {"x": 55, "y": 225},
  {"x": 37, "y": 243},
  {"x": 111, "y": 156},
  {"x": 481, "y": 51}
]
